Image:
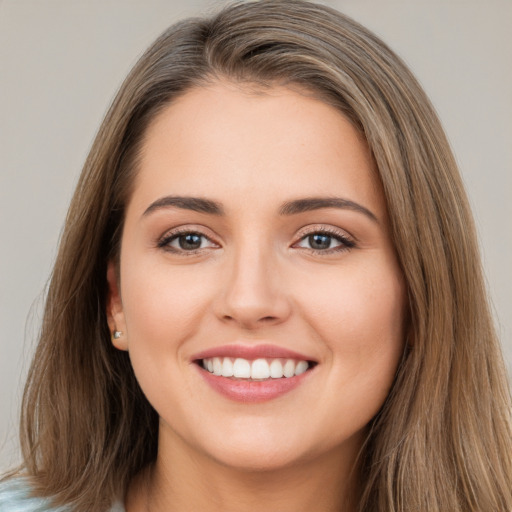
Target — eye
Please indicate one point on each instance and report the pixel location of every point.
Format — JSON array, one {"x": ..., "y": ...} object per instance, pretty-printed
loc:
[
  {"x": 186, "y": 241},
  {"x": 325, "y": 241}
]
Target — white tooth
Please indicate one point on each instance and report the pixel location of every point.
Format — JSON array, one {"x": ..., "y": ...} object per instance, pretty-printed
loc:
[
  {"x": 302, "y": 366},
  {"x": 289, "y": 368},
  {"x": 227, "y": 367},
  {"x": 242, "y": 369},
  {"x": 217, "y": 366},
  {"x": 209, "y": 363},
  {"x": 204, "y": 364},
  {"x": 260, "y": 369},
  {"x": 276, "y": 369}
]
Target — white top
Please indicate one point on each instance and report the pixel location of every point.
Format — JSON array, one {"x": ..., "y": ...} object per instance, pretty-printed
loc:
[{"x": 15, "y": 497}]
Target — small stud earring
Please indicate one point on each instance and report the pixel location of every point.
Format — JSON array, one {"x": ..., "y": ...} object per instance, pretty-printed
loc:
[{"x": 116, "y": 335}]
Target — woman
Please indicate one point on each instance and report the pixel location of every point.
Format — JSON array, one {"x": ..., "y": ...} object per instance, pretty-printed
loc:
[{"x": 268, "y": 290}]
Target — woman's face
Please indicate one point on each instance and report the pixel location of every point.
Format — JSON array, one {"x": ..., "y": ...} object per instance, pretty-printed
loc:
[{"x": 256, "y": 242}]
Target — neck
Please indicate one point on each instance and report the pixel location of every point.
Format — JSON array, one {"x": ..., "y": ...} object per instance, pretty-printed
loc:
[{"x": 183, "y": 480}]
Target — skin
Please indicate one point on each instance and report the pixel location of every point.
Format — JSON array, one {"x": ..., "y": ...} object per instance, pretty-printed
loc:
[{"x": 256, "y": 280}]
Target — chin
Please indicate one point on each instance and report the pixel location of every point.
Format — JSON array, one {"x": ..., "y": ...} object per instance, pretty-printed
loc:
[
  {"x": 251, "y": 459},
  {"x": 268, "y": 448}
]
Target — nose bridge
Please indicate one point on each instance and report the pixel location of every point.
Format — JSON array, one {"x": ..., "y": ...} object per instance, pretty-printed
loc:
[{"x": 253, "y": 294}]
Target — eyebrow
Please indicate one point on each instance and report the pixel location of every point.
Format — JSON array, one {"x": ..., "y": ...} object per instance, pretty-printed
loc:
[
  {"x": 317, "y": 203},
  {"x": 196, "y": 204},
  {"x": 294, "y": 207}
]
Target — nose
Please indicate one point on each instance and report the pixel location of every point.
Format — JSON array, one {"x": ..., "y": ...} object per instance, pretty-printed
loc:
[{"x": 254, "y": 293}]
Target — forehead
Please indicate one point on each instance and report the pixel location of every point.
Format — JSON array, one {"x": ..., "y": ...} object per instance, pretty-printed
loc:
[{"x": 230, "y": 141}]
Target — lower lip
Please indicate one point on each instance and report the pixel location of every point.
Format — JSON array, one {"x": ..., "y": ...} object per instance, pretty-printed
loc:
[{"x": 247, "y": 391}]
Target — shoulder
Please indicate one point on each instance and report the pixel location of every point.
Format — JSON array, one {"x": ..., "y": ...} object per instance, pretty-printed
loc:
[{"x": 15, "y": 496}]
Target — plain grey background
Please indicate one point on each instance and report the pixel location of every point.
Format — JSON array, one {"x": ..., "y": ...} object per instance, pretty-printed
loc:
[{"x": 61, "y": 62}]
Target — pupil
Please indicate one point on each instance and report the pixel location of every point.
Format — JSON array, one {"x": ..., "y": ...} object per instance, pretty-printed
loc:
[
  {"x": 320, "y": 241},
  {"x": 190, "y": 242}
]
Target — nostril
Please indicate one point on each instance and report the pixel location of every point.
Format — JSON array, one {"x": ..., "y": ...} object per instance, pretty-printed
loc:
[{"x": 249, "y": 322}]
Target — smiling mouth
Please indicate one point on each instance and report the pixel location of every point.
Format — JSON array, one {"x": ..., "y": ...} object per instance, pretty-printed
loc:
[{"x": 255, "y": 370}]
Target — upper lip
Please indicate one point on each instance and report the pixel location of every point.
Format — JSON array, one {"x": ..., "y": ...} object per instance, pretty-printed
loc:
[{"x": 251, "y": 352}]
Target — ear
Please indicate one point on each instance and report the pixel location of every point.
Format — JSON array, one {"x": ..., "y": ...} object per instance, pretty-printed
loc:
[{"x": 115, "y": 314}]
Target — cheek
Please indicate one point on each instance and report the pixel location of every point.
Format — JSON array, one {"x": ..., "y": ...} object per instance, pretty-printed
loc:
[
  {"x": 360, "y": 319},
  {"x": 163, "y": 309},
  {"x": 162, "y": 306}
]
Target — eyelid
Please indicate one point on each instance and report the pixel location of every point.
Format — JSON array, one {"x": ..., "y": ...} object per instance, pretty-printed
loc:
[
  {"x": 173, "y": 233},
  {"x": 328, "y": 229},
  {"x": 347, "y": 241}
]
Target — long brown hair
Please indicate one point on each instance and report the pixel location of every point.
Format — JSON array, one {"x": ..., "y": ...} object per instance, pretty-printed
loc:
[{"x": 442, "y": 441}]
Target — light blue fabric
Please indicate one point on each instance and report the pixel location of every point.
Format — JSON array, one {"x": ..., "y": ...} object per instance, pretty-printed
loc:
[{"x": 15, "y": 497}]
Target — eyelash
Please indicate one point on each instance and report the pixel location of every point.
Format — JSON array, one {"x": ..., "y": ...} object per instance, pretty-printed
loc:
[
  {"x": 346, "y": 242},
  {"x": 164, "y": 242}
]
